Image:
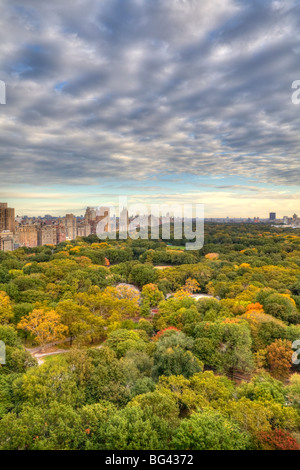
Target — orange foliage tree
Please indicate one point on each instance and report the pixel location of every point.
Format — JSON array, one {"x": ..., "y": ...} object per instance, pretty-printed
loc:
[
  {"x": 279, "y": 357},
  {"x": 212, "y": 256}
]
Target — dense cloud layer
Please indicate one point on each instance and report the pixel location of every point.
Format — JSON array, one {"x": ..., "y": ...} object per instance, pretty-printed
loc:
[{"x": 134, "y": 89}]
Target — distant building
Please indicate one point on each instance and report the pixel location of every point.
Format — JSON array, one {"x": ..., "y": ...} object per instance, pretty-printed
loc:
[
  {"x": 83, "y": 230},
  {"x": 6, "y": 240},
  {"x": 285, "y": 220},
  {"x": 90, "y": 214},
  {"x": 70, "y": 223},
  {"x": 272, "y": 216},
  {"x": 123, "y": 220},
  {"x": 105, "y": 213},
  {"x": 7, "y": 218},
  {"x": 47, "y": 235},
  {"x": 60, "y": 233},
  {"x": 27, "y": 235},
  {"x": 102, "y": 213}
]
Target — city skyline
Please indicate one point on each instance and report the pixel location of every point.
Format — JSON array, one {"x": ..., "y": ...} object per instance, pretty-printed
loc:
[
  {"x": 115, "y": 210},
  {"x": 119, "y": 221},
  {"x": 106, "y": 99}
]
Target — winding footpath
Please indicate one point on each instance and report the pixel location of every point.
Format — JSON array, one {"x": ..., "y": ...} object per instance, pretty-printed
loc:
[{"x": 38, "y": 352}]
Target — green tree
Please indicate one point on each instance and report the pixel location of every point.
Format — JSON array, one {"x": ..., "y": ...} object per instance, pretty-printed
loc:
[
  {"x": 209, "y": 430},
  {"x": 142, "y": 274},
  {"x": 173, "y": 356}
]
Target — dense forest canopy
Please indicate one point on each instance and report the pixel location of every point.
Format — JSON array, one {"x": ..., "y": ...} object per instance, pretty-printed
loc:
[{"x": 145, "y": 361}]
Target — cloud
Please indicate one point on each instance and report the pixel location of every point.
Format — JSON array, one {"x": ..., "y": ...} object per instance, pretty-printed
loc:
[{"x": 133, "y": 90}]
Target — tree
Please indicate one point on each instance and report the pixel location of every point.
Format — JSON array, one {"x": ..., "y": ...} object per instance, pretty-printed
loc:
[
  {"x": 9, "y": 336},
  {"x": 173, "y": 356},
  {"x": 17, "y": 358},
  {"x": 159, "y": 404},
  {"x": 225, "y": 346},
  {"x": 160, "y": 333},
  {"x": 94, "y": 418},
  {"x": 123, "y": 292},
  {"x": 108, "y": 305},
  {"x": 122, "y": 341},
  {"x": 264, "y": 328},
  {"x": 51, "y": 381},
  {"x": 55, "y": 427},
  {"x": 133, "y": 428},
  {"x": 142, "y": 274},
  {"x": 279, "y": 357},
  {"x": 45, "y": 325},
  {"x": 281, "y": 306},
  {"x": 82, "y": 325},
  {"x": 6, "y": 311},
  {"x": 176, "y": 312},
  {"x": 152, "y": 295},
  {"x": 263, "y": 387},
  {"x": 252, "y": 416},
  {"x": 191, "y": 285},
  {"x": 209, "y": 430},
  {"x": 276, "y": 439},
  {"x": 293, "y": 391},
  {"x": 212, "y": 256},
  {"x": 217, "y": 390}
]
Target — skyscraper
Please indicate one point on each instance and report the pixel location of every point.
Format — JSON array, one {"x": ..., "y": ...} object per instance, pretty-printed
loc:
[
  {"x": 272, "y": 216},
  {"x": 70, "y": 223}
]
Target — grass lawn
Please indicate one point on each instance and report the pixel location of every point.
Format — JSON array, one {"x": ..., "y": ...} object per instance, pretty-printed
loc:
[
  {"x": 53, "y": 357},
  {"x": 175, "y": 247}
]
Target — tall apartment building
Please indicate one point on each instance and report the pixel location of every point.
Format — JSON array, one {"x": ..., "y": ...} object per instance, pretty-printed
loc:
[
  {"x": 83, "y": 230},
  {"x": 93, "y": 217},
  {"x": 124, "y": 220},
  {"x": 47, "y": 235},
  {"x": 60, "y": 233},
  {"x": 106, "y": 214},
  {"x": 7, "y": 218},
  {"x": 99, "y": 218},
  {"x": 90, "y": 214},
  {"x": 70, "y": 223},
  {"x": 27, "y": 235}
]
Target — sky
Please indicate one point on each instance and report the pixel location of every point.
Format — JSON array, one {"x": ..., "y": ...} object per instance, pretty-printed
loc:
[{"x": 178, "y": 101}]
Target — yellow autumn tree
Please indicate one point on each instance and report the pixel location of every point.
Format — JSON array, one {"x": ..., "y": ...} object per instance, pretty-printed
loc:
[
  {"x": 181, "y": 294},
  {"x": 191, "y": 285},
  {"x": 44, "y": 325},
  {"x": 6, "y": 311}
]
